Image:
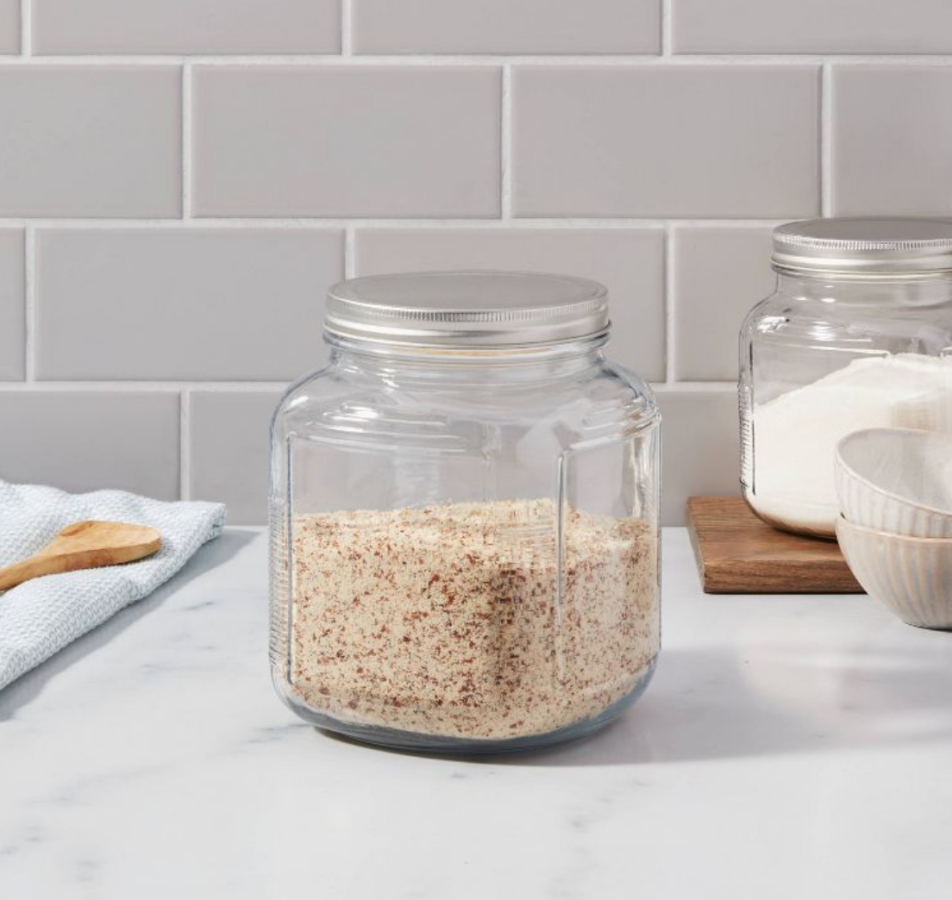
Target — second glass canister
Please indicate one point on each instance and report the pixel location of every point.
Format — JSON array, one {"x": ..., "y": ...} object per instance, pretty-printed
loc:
[{"x": 858, "y": 334}]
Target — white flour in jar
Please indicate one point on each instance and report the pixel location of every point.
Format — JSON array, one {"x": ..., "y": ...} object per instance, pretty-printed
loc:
[
  {"x": 795, "y": 435},
  {"x": 445, "y": 620}
]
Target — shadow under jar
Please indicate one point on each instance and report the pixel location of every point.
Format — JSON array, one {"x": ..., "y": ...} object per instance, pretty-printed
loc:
[
  {"x": 464, "y": 517},
  {"x": 857, "y": 335}
]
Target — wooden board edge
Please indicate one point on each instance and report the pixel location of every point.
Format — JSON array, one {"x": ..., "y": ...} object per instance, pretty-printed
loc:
[
  {"x": 739, "y": 579},
  {"x": 696, "y": 547}
]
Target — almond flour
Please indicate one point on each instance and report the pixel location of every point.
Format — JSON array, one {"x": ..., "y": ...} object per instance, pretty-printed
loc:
[{"x": 446, "y": 620}]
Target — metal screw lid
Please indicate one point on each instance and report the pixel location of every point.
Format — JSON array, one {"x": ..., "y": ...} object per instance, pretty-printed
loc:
[
  {"x": 873, "y": 247},
  {"x": 467, "y": 309}
]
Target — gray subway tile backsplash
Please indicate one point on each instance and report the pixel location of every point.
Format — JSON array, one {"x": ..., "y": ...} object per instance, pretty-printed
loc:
[{"x": 180, "y": 181}]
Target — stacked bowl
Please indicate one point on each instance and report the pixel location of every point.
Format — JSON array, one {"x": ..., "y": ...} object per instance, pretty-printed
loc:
[{"x": 895, "y": 492}]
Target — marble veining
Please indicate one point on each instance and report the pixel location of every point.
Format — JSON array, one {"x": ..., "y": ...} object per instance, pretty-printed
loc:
[{"x": 788, "y": 747}]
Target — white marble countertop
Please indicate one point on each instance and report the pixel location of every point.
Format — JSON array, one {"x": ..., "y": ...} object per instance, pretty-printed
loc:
[{"x": 788, "y": 747}]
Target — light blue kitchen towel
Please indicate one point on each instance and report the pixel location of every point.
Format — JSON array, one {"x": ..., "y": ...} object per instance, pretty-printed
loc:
[{"x": 42, "y": 616}]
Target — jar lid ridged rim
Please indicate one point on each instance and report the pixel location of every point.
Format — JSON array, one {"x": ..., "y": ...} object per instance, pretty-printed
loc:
[
  {"x": 869, "y": 247},
  {"x": 467, "y": 308}
]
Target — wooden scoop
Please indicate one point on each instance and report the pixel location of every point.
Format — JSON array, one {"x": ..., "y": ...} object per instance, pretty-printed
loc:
[{"x": 85, "y": 545}]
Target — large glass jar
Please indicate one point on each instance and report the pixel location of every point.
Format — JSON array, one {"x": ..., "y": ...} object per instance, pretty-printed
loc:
[
  {"x": 857, "y": 335},
  {"x": 464, "y": 517}
]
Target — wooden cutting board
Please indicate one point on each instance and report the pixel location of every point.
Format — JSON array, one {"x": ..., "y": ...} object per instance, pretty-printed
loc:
[{"x": 737, "y": 553}]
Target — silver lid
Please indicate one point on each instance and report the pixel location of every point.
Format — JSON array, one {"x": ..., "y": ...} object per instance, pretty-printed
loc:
[
  {"x": 865, "y": 247},
  {"x": 466, "y": 309}
]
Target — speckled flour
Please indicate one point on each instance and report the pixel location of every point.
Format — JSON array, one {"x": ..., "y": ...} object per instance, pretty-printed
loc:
[{"x": 443, "y": 620}]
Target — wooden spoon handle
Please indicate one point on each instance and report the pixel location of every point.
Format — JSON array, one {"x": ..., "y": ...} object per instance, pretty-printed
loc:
[
  {"x": 33, "y": 567},
  {"x": 85, "y": 545},
  {"x": 54, "y": 564}
]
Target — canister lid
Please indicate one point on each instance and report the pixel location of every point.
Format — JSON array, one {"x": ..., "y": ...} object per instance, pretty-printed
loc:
[
  {"x": 464, "y": 309},
  {"x": 865, "y": 246}
]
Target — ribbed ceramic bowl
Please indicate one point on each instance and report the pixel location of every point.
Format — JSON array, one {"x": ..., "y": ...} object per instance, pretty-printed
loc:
[
  {"x": 896, "y": 480},
  {"x": 912, "y": 576}
]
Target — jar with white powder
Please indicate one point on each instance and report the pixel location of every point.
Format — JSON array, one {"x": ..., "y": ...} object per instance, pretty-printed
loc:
[
  {"x": 464, "y": 517},
  {"x": 858, "y": 334}
]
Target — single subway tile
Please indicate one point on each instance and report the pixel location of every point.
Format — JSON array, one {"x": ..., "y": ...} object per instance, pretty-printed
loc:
[
  {"x": 89, "y": 440},
  {"x": 95, "y": 141},
  {"x": 720, "y": 274},
  {"x": 186, "y": 26},
  {"x": 346, "y": 141},
  {"x": 660, "y": 140},
  {"x": 9, "y": 26},
  {"x": 229, "y": 451},
  {"x": 811, "y": 26},
  {"x": 157, "y": 303},
  {"x": 701, "y": 452},
  {"x": 507, "y": 26},
  {"x": 892, "y": 140}
]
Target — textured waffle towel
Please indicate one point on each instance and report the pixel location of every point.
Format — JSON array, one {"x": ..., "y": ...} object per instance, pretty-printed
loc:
[{"x": 42, "y": 616}]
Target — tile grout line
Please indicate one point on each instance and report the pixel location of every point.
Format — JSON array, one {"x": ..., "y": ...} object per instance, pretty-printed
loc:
[
  {"x": 186, "y": 141},
  {"x": 29, "y": 304},
  {"x": 185, "y": 469},
  {"x": 350, "y": 252},
  {"x": 693, "y": 387},
  {"x": 826, "y": 140},
  {"x": 669, "y": 326},
  {"x": 142, "y": 387},
  {"x": 632, "y": 60},
  {"x": 26, "y": 29},
  {"x": 241, "y": 387},
  {"x": 347, "y": 28},
  {"x": 343, "y": 222},
  {"x": 505, "y": 144}
]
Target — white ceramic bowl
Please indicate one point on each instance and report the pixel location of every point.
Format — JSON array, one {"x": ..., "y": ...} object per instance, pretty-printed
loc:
[
  {"x": 912, "y": 576},
  {"x": 896, "y": 480}
]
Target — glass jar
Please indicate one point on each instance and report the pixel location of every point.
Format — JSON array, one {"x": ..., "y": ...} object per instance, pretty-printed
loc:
[
  {"x": 464, "y": 517},
  {"x": 857, "y": 335}
]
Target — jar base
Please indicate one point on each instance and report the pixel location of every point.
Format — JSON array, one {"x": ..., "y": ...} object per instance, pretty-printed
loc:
[
  {"x": 396, "y": 739},
  {"x": 798, "y": 519}
]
